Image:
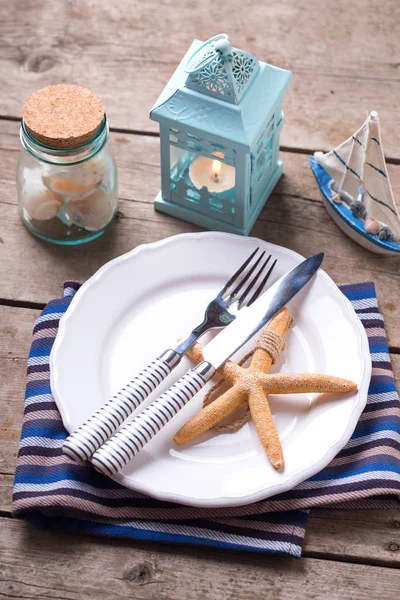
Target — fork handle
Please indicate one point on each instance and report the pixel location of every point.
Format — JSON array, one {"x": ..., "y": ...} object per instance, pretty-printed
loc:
[
  {"x": 130, "y": 439},
  {"x": 85, "y": 440}
]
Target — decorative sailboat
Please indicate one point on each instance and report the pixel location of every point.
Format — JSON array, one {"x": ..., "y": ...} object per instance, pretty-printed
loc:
[{"x": 356, "y": 189}]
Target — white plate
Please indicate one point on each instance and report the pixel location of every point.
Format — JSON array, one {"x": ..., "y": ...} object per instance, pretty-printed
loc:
[{"x": 137, "y": 305}]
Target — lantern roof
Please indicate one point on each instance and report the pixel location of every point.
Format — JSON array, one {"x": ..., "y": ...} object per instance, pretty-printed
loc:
[
  {"x": 216, "y": 69},
  {"x": 222, "y": 91}
]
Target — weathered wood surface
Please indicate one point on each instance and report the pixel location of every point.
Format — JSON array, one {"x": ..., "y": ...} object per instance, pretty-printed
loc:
[
  {"x": 45, "y": 564},
  {"x": 344, "y": 56},
  {"x": 294, "y": 217},
  {"x": 370, "y": 536},
  {"x": 367, "y": 536},
  {"x": 345, "y": 61},
  {"x": 15, "y": 339}
]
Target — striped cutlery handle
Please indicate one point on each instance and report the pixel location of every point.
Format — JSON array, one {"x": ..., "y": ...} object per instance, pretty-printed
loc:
[
  {"x": 85, "y": 440},
  {"x": 124, "y": 445}
]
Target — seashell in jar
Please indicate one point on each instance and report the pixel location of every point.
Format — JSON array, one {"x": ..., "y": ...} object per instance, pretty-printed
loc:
[
  {"x": 69, "y": 187},
  {"x": 93, "y": 212},
  {"x": 43, "y": 205},
  {"x": 80, "y": 180}
]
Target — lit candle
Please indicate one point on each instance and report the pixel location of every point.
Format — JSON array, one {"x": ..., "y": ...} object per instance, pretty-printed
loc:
[
  {"x": 212, "y": 174},
  {"x": 216, "y": 170}
]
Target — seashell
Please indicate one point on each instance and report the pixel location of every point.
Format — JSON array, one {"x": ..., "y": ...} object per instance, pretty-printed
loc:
[
  {"x": 77, "y": 180},
  {"x": 334, "y": 190},
  {"x": 372, "y": 226},
  {"x": 43, "y": 205},
  {"x": 93, "y": 212},
  {"x": 70, "y": 187},
  {"x": 336, "y": 198}
]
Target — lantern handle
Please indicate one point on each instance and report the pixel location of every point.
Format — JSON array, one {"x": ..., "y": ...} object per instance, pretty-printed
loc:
[{"x": 218, "y": 44}]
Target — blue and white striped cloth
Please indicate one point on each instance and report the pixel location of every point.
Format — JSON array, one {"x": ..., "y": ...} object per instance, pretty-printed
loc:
[{"x": 52, "y": 490}]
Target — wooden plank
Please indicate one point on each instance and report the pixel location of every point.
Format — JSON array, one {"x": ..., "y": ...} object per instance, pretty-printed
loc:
[
  {"x": 54, "y": 565},
  {"x": 44, "y": 42},
  {"x": 6, "y": 486},
  {"x": 294, "y": 217},
  {"x": 15, "y": 339},
  {"x": 366, "y": 536},
  {"x": 130, "y": 49}
]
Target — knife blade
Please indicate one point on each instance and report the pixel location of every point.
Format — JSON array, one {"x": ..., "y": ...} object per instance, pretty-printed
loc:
[
  {"x": 253, "y": 318},
  {"x": 130, "y": 439}
]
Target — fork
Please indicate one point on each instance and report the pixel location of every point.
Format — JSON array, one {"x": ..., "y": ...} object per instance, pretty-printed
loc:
[{"x": 236, "y": 293}]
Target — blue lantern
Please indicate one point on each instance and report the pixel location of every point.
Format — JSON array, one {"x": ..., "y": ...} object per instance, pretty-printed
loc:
[{"x": 220, "y": 118}]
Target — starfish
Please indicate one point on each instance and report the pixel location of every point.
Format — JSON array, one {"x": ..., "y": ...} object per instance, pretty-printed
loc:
[{"x": 252, "y": 384}]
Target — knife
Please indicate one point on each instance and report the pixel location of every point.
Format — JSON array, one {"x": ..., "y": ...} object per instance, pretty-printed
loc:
[{"x": 112, "y": 456}]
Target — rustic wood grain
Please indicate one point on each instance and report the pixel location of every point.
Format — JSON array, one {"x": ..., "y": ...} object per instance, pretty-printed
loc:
[
  {"x": 368, "y": 536},
  {"x": 6, "y": 485},
  {"x": 31, "y": 270},
  {"x": 62, "y": 566},
  {"x": 344, "y": 56},
  {"x": 15, "y": 339},
  {"x": 345, "y": 61}
]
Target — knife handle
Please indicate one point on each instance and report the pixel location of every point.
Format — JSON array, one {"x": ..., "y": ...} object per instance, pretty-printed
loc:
[
  {"x": 124, "y": 445},
  {"x": 85, "y": 440}
]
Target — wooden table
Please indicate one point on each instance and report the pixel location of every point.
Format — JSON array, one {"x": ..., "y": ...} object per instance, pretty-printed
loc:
[{"x": 345, "y": 60}]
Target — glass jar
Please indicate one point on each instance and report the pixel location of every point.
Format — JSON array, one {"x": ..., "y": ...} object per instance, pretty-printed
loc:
[{"x": 67, "y": 195}]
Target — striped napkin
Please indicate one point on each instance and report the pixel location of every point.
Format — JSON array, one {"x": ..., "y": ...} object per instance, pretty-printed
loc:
[{"x": 52, "y": 490}]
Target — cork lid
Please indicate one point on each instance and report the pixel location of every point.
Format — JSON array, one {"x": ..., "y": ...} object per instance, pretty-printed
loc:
[{"x": 63, "y": 115}]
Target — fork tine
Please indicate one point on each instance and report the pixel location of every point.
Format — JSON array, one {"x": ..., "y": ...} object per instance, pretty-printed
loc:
[
  {"x": 243, "y": 298},
  {"x": 238, "y": 272},
  {"x": 241, "y": 283},
  {"x": 262, "y": 284}
]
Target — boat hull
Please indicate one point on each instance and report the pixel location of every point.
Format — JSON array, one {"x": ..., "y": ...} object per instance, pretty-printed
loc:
[{"x": 344, "y": 218}]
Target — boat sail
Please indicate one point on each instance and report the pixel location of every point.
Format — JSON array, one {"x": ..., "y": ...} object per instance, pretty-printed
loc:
[{"x": 354, "y": 178}]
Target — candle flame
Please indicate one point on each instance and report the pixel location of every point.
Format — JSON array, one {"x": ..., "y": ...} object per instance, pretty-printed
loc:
[{"x": 216, "y": 169}]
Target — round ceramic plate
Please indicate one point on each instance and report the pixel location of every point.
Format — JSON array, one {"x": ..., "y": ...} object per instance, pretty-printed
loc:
[{"x": 139, "y": 304}]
